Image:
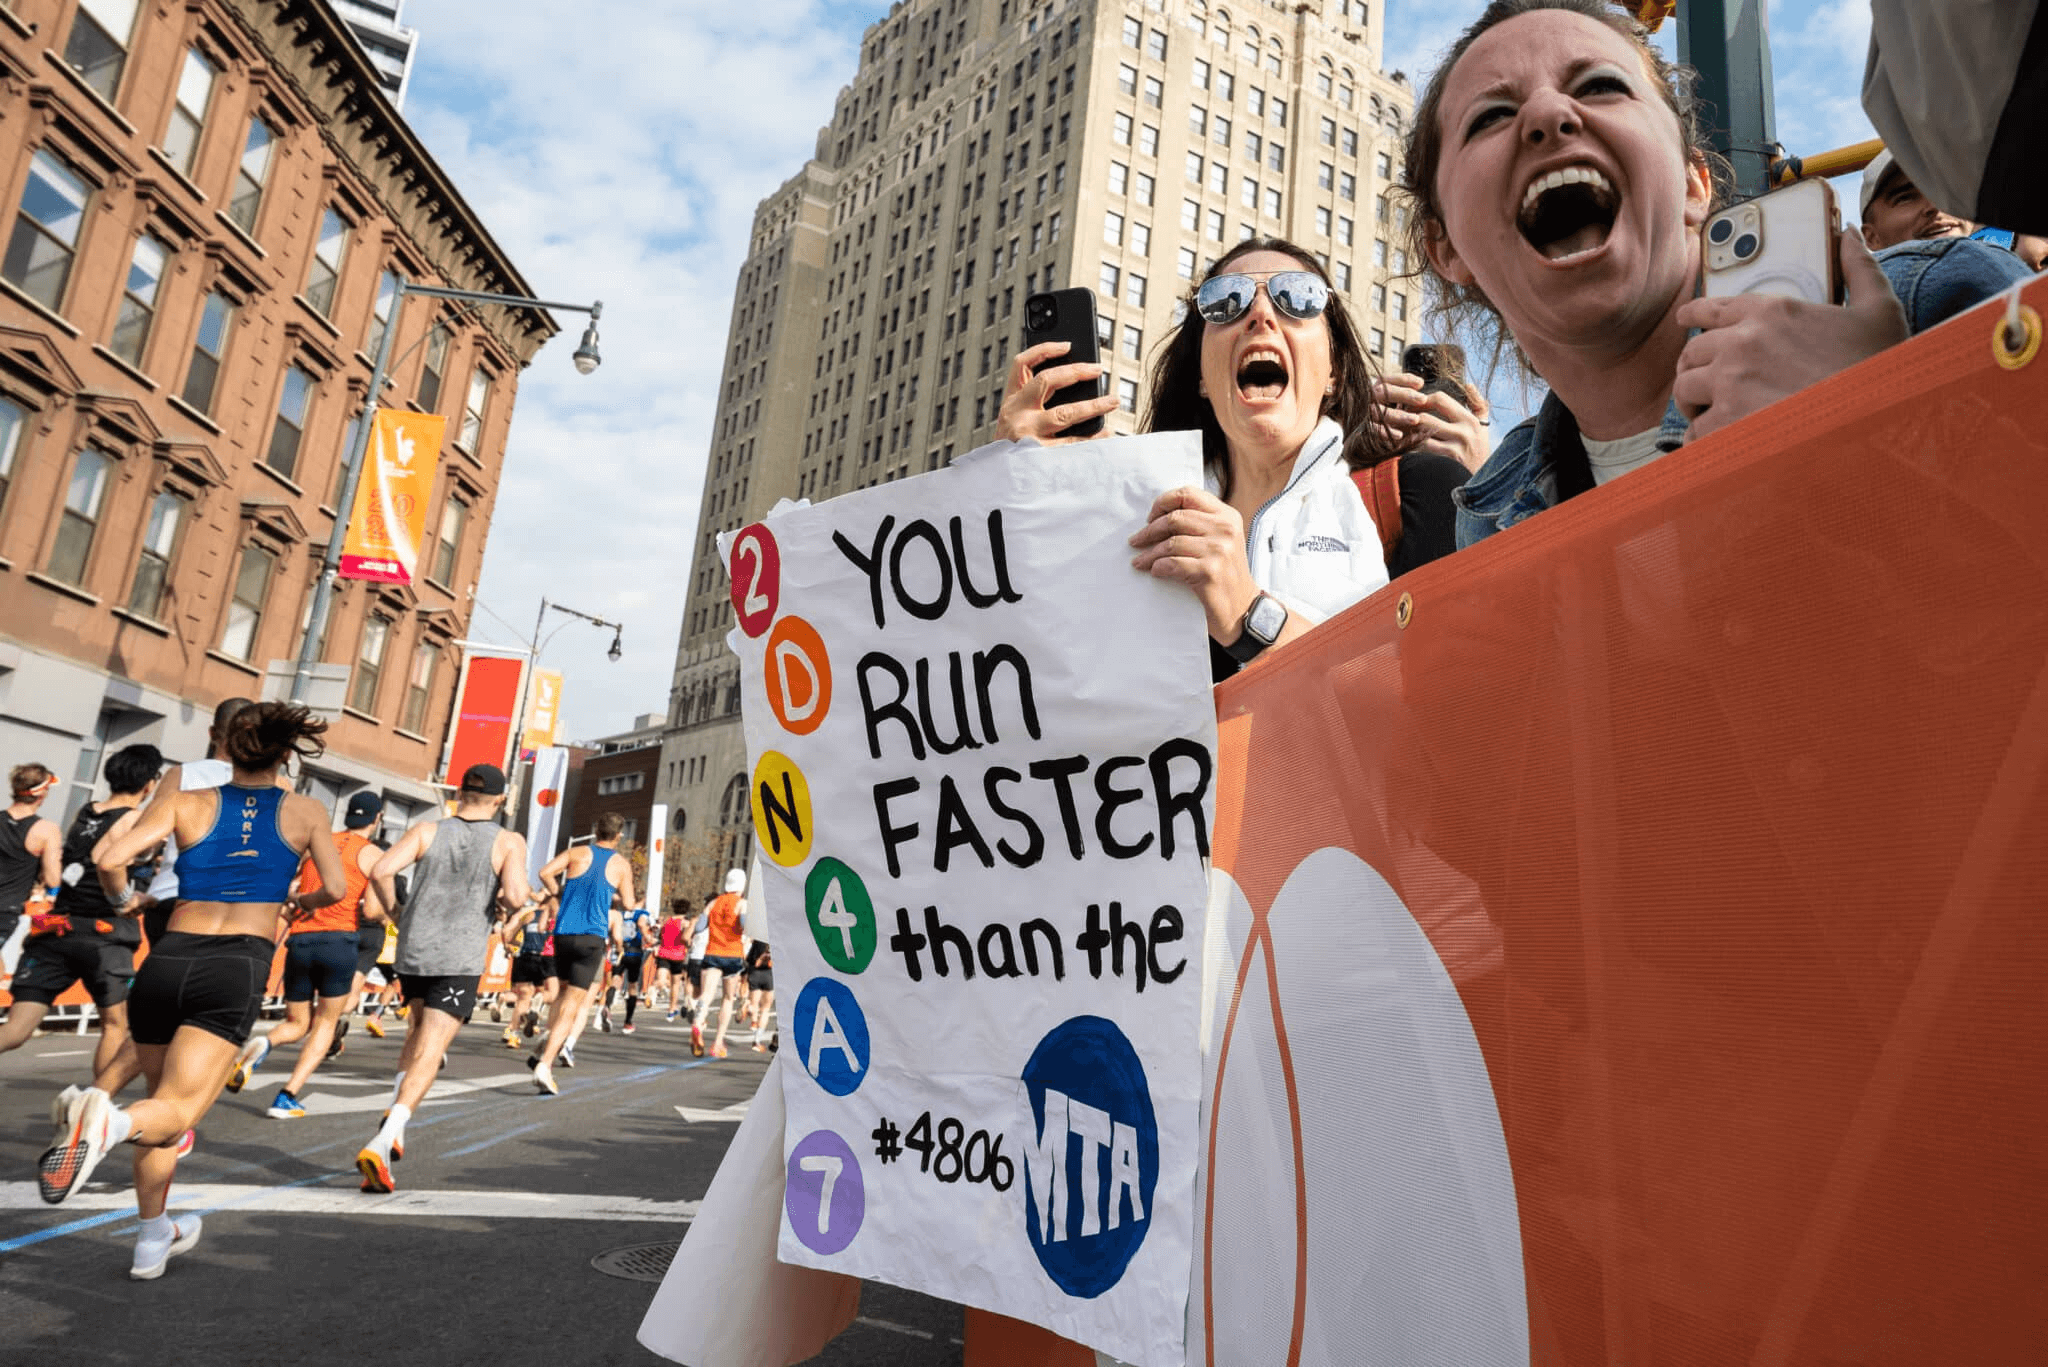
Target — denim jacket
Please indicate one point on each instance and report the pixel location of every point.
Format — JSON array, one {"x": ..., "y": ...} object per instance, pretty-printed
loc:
[{"x": 1542, "y": 462}]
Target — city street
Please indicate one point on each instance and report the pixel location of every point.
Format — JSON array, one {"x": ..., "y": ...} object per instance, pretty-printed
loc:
[{"x": 484, "y": 1254}]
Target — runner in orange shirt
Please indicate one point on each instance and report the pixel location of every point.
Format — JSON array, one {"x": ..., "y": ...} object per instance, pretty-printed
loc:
[{"x": 724, "y": 957}]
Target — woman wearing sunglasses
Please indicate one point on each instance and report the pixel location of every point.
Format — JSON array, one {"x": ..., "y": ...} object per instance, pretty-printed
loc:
[{"x": 1268, "y": 367}]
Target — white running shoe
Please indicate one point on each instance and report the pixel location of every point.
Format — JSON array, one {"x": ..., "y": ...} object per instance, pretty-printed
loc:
[
  {"x": 604, "y": 1019},
  {"x": 544, "y": 1081},
  {"x": 152, "y": 1254}
]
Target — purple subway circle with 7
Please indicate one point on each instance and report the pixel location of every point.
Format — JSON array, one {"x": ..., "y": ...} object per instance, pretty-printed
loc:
[{"x": 823, "y": 1192}]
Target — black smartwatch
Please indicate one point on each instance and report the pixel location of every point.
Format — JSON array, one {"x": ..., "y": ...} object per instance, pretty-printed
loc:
[{"x": 1263, "y": 621}]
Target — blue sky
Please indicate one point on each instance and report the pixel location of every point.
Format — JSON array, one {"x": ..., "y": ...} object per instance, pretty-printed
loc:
[{"x": 627, "y": 169}]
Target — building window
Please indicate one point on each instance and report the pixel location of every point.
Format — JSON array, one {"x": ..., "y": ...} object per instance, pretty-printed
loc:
[
  {"x": 1184, "y": 263},
  {"x": 1141, "y": 239},
  {"x": 209, "y": 345},
  {"x": 188, "y": 114},
  {"x": 1127, "y": 395},
  {"x": 419, "y": 687},
  {"x": 1134, "y": 289},
  {"x": 1190, "y": 215},
  {"x": 474, "y": 406},
  {"x": 1347, "y": 186},
  {"x": 1219, "y": 178},
  {"x": 432, "y": 368},
  {"x": 1379, "y": 251},
  {"x": 138, "y": 299},
  {"x": 1119, "y": 177},
  {"x": 245, "y": 609},
  {"x": 1113, "y": 229},
  {"x": 1276, "y": 157},
  {"x": 1252, "y": 146},
  {"x": 1106, "y": 284},
  {"x": 1155, "y": 92},
  {"x": 45, "y": 239},
  {"x": 1351, "y": 142},
  {"x": 1379, "y": 298},
  {"x": 290, "y": 428},
  {"x": 1155, "y": 45},
  {"x": 1344, "y": 275},
  {"x": 380, "y": 313},
  {"x": 1345, "y": 229},
  {"x": 1326, "y": 129},
  {"x": 251, "y": 175},
  {"x": 1134, "y": 342},
  {"x": 159, "y": 545},
  {"x": 12, "y": 420},
  {"x": 448, "y": 541},
  {"x": 1322, "y": 221},
  {"x": 362, "y": 690},
  {"x": 1134, "y": 32},
  {"x": 1145, "y": 188},
  {"x": 98, "y": 46},
  {"x": 1400, "y": 308},
  {"x": 1272, "y": 202},
  {"x": 327, "y": 257},
  {"x": 1120, "y": 129},
  {"x": 1379, "y": 342},
  {"x": 1383, "y": 166},
  {"x": 1194, "y": 168},
  {"x": 1148, "y": 140},
  {"x": 1219, "y": 131},
  {"x": 1126, "y": 79},
  {"x": 1248, "y": 193},
  {"x": 1215, "y": 225},
  {"x": 80, "y": 522},
  {"x": 1199, "y": 74}
]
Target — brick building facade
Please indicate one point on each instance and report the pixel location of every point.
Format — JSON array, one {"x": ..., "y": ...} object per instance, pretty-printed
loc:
[{"x": 205, "y": 205}]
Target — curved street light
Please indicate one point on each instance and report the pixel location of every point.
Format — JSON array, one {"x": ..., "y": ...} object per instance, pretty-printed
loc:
[{"x": 586, "y": 361}]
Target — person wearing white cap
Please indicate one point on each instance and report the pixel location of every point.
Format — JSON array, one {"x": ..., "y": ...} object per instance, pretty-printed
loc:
[
  {"x": 725, "y": 956},
  {"x": 1895, "y": 211}
]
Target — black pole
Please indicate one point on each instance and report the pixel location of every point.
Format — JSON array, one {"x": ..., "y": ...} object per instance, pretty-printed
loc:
[{"x": 1729, "y": 43}]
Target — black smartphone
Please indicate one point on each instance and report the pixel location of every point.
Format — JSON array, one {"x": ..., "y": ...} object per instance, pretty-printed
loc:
[
  {"x": 1425, "y": 361},
  {"x": 1066, "y": 316}
]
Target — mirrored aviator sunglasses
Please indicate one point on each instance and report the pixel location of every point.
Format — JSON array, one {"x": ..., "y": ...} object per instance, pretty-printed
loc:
[{"x": 1297, "y": 294}]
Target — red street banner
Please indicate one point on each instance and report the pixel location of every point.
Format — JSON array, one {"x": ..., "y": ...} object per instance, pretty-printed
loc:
[
  {"x": 485, "y": 700},
  {"x": 389, "y": 518}
]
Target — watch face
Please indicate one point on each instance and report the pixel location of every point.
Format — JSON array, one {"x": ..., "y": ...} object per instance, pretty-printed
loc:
[{"x": 1266, "y": 618}]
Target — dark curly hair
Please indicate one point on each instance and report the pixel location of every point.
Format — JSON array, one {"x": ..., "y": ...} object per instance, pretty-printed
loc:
[
  {"x": 1176, "y": 403},
  {"x": 266, "y": 734},
  {"x": 1453, "y": 306}
]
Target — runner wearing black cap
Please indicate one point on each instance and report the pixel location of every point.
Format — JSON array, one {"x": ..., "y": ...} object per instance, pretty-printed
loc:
[
  {"x": 443, "y": 940},
  {"x": 320, "y": 961}
]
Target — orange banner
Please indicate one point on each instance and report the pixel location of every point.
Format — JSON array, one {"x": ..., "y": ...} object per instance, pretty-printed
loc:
[
  {"x": 388, "y": 523},
  {"x": 1627, "y": 943},
  {"x": 543, "y": 711}
]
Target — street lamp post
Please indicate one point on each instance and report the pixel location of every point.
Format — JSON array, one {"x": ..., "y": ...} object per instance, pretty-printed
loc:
[
  {"x": 585, "y": 358},
  {"x": 533, "y": 667}
]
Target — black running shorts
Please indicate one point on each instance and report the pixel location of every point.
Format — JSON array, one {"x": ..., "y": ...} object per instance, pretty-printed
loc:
[
  {"x": 578, "y": 959},
  {"x": 450, "y": 994},
  {"x": 530, "y": 968},
  {"x": 51, "y": 963},
  {"x": 671, "y": 965},
  {"x": 761, "y": 979},
  {"x": 320, "y": 963},
  {"x": 631, "y": 967},
  {"x": 369, "y": 944},
  {"x": 210, "y": 982}
]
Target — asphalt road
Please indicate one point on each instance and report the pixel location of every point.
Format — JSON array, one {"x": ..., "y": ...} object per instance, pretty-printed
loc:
[{"x": 483, "y": 1256}]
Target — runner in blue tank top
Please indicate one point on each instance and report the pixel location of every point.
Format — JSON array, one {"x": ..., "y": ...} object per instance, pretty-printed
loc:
[
  {"x": 590, "y": 879},
  {"x": 196, "y": 998}
]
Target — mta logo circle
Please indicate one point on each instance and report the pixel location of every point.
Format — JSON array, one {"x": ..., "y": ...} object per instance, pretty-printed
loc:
[{"x": 1091, "y": 1158}]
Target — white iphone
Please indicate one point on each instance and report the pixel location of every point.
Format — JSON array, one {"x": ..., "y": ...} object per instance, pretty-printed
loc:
[{"x": 1780, "y": 243}]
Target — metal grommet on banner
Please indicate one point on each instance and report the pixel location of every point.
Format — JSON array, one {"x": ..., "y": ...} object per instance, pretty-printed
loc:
[
  {"x": 1404, "y": 611},
  {"x": 2016, "y": 337}
]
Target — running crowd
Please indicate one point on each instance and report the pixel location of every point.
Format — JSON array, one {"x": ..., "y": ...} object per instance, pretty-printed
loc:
[{"x": 229, "y": 879}]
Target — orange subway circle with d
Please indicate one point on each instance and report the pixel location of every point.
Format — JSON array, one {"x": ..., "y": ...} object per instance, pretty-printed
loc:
[{"x": 798, "y": 676}]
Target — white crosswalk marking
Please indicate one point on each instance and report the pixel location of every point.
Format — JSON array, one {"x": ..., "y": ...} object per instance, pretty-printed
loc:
[{"x": 480, "y": 1205}]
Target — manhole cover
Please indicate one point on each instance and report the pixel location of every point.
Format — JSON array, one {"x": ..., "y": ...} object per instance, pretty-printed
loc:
[{"x": 637, "y": 1262}]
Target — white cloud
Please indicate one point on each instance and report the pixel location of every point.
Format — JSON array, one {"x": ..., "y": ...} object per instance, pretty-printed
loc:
[{"x": 616, "y": 151}]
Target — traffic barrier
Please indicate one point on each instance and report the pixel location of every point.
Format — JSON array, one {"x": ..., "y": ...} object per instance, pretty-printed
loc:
[{"x": 1627, "y": 943}]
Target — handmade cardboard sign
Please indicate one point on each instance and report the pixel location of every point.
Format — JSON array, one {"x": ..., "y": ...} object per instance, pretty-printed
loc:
[{"x": 980, "y": 751}]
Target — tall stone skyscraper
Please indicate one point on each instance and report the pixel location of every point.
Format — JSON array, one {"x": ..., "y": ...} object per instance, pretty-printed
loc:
[{"x": 985, "y": 150}]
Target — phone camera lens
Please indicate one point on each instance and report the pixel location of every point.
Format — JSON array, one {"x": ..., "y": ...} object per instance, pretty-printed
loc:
[
  {"x": 1720, "y": 231},
  {"x": 1745, "y": 246}
]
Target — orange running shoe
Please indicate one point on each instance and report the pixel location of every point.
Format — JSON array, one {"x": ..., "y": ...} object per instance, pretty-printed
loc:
[
  {"x": 374, "y": 1026},
  {"x": 375, "y": 1170}
]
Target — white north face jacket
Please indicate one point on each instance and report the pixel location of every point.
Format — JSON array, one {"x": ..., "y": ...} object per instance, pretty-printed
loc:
[{"x": 1314, "y": 545}]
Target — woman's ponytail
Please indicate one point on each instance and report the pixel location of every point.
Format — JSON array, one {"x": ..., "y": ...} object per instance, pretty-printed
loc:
[{"x": 267, "y": 734}]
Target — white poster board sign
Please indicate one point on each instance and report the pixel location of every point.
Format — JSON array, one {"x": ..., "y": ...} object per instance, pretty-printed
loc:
[{"x": 980, "y": 750}]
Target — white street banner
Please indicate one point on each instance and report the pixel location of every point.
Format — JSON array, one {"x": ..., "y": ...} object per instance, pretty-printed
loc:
[{"x": 981, "y": 757}]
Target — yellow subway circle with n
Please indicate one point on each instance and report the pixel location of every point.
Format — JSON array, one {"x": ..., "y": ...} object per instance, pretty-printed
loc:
[{"x": 782, "y": 809}]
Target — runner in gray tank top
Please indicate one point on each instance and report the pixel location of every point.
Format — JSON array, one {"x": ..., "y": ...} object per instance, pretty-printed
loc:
[{"x": 465, "y": 864}]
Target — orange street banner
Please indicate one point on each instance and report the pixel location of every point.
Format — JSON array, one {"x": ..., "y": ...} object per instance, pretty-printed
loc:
[
  {"x": 543, "y": 711},
  {"x": 389, "y": 519}
]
